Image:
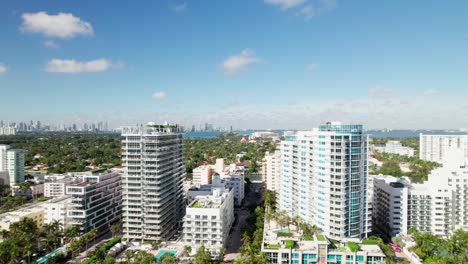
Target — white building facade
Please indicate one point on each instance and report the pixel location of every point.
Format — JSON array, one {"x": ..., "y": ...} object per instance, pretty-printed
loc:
[
  {"x": 324, "y": 179},
  {"x": 12, "y": 163},
  {"x": 272, "y": 170},
  {"x": 209, "y": 218},
  {"x": 395, "y": 147},
  {"x": 153, "y": 198},
  {"x": 436, "y": 147}
]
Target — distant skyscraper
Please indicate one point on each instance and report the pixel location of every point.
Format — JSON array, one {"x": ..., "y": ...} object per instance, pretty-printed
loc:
[
  {"x": 323, "y": 179},
  {"x": 12, "y": 163},
  {"x": 153, "y": 198}
]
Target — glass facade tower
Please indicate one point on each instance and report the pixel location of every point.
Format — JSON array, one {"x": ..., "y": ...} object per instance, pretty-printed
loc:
[{"x": 324, "y": 179}]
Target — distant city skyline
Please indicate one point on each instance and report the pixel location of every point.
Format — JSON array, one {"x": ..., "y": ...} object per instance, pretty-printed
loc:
[{"x": 257, "y": 64}]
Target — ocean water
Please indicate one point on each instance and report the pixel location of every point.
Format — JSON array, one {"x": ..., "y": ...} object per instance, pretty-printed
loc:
[{"x": 372, "y": 133}]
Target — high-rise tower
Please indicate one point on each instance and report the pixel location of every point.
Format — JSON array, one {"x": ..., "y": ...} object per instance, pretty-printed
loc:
[
  {"x": 152, "y": 184},
  {"x": 323, "y": 179}
]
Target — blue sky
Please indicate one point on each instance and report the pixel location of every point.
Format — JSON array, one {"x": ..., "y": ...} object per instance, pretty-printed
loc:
[{"x": 246, "y": 63}]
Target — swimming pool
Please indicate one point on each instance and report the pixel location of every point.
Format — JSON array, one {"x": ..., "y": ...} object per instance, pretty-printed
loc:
[{"x": 164, "y": 251}]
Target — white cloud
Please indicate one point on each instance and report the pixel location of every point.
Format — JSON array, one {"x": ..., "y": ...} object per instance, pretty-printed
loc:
[
  {"x": 3, "y": 69},
  {"x": 73, "y": 66},
  {"x": 285, "y": 4},
  {"x": 159, "y": 95},
  {"x": 236, "y": 64},
  {"x": 380, "y": 92},
  {"x": 62, "y": 25},
  {"x": 50, "y": 44},
  {"x": 312, "y": 67},
  {"x": 431, "y": 92},
  {"x": 180, "y": 7},
  {"x": 307, "y": 12}
]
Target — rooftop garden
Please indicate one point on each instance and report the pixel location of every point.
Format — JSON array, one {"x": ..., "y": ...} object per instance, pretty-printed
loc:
[
  {"x": 289, "y": 244},
  {"x": 197, "y": 204},
  {"x": 273, "y": 246},
  {"x": 354, "y": 247},
  {"x": 371, "y": 241},
  {"x": 283, "y": 233},
  {"x": 308, "y": 237},
  {"x": 321, "y": 237}
]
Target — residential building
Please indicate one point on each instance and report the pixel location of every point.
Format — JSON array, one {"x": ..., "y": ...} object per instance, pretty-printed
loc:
[
  {"x": 316, "y": 249},
  {"x": 400, "y": 205},
  {"x": 202, "y": 175},
  {"x": 395, "y": 147},
  {"x": 264, "y": 134},
  {"x": 323, "y": 179},
  {"x": 209, "y": 218},
  {"x": 390, "y": 208},
  {"x": 235, "y": 182},
  {"x": 56, "y": 210},
  {"x": 56, "y": 187},
  {"x": 273, "y": 170},
  {"x": 34, "y": 212},
  {"x": 96, "y": 202},
  {"x": 153, "y": 198},
  {"x": 12, "y": 161},
  {"x": 7, "y": 131},
  {"x": 436, "y": 147}
]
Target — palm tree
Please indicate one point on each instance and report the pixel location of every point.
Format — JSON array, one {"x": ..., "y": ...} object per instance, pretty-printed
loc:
[
  {"x": 187, "y": 250},
  {"x": 115, "y": 228},
  {"x": 297, "y": 220},
  {"x": 72, "y": 232}
]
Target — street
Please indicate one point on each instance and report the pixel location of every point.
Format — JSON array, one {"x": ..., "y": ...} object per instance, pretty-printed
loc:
[{"x": 254, "y": 196}]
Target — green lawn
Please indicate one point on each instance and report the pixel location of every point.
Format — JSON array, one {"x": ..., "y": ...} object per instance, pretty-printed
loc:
[
  {"x": 273, "y": 246},
  {"x": 289, "y": 244},
  {"x": 321, "y": 238},
  {"x": 197, "y": 204}
]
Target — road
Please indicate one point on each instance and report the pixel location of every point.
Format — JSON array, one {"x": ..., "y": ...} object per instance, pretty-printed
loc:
[{"x": 254, "y": 196}]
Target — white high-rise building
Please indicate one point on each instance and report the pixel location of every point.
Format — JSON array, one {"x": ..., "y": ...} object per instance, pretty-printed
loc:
[
  {"x": 400, "y": 205},
  {"x": 153, "y": 198},
  {"x": 436, "y": 147},
  {"x": 273, "y": 170},
  {"x": 454, "y": 174},
  {"x": 439, "y": 205},
  {"x": 12, "y": 163},
  {"x": 7, "y": 131},
  {"x": 209, "y": 218},
  {"x": 324, "y": 179},
  {"x": 395, "y": 147}
]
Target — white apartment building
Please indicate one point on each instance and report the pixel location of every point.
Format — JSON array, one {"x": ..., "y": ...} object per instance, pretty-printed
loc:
[
  {"x": 323, "y": 179},
  {"x": 235, "y": 182},
  {"x": 454, "y": 174},
  {"x": 272, "y": 170},
  {"x": 265, "y": 134},
  {"x": 209, "y": 218},
  {"x": 12, "y": 162},
  {"x": 202, "y": 174},
  {"x": 153, "y": 198},
  {"x": 56, "y": 186},
  {"x": 400, "y": 205},
  {"x": 7, "y": 131},
  {"x": 56, "y": 210},
  {"x": 390, "y": 204},
  {"x": 96, "y": 202},
  {"x": 395, "y": 147},
  {"x": 436, "y": 147}
]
